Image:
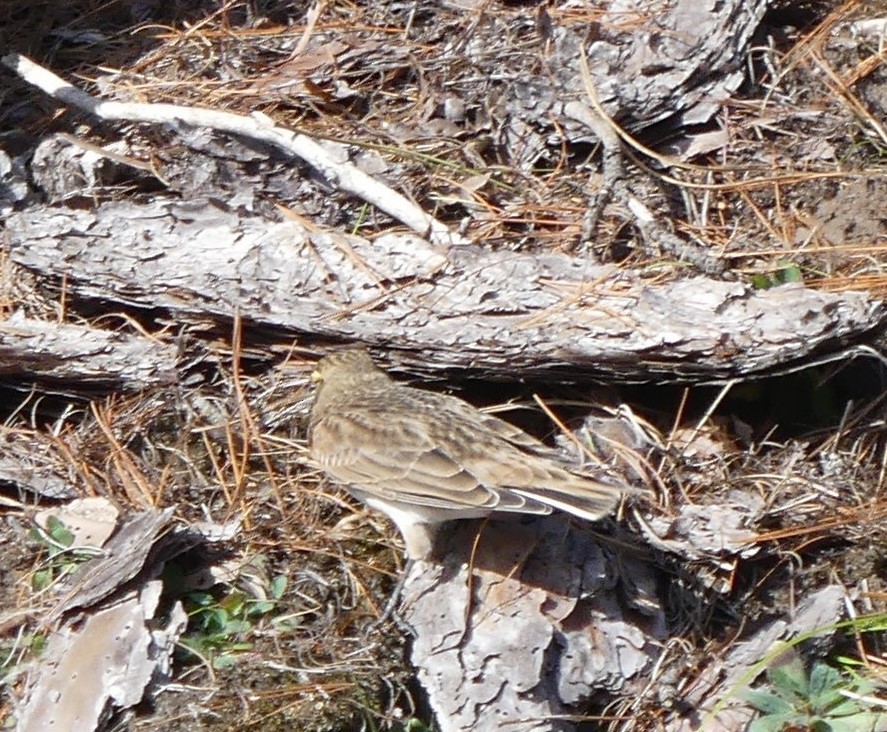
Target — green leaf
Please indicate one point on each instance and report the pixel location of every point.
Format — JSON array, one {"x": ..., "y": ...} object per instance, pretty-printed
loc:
[
  {"x": 824, "y": 680},
  {"x": 258, "y": 608},
  {"x": 233, "y": 603},
  {"x": 857, "y": 723},
  {"x": 238, "y": 626},
  {"x": 871, "y": 623},
  {"x": 38, "y": 643},
  {"x": 214, "y": 620},
  {"x": 790, "y": 677},
  {"x": 846, "y": 708},
  {"x": 58, "y": 532},
  {"x": 41, "y": 579},
  {"x": 278, "y": 586},
  {"x": 772, "y": 723},
  {"x": 201, "y": 599},
  {"x": 767, "y": 702},
  {"x": 791, "y": 273},
  {"x": 224, "y": 660},
  {"x": 838, "y": 705},
  {"x": 847, "y": 661}
]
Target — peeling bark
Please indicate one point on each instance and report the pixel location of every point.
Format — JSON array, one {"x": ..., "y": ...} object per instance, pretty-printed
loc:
[
  {"x": 499, "y": 312},
  {"x": 56, "y": 355},
  {"x": 520, "y": 620}
]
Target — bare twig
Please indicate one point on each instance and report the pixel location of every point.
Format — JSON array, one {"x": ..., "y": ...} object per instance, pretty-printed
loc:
[{"x": 343, "y": 175}]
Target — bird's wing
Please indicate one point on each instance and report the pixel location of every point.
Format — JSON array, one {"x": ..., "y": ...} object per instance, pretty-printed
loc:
[
  {"x": 395, "y": 458},
  {"x": 516, "y": 465},
  {"x": 495, "y": 427},
  {"x": 516, "y": 436}
]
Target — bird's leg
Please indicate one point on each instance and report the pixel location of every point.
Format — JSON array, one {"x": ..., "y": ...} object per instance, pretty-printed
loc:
[{"x": 389, "y": 612}]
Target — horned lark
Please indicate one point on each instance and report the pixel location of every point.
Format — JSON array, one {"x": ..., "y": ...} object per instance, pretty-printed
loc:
[{"x": 423, "y": 458}]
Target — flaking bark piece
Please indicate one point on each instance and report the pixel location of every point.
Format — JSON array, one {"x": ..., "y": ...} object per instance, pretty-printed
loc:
[
  {"x": 105, "y": 645},
  {"x": 74, "y": 358},
  {"x": 541, "y": 620},
  {"x": 30, "y": 461},
  {"x": 91, "y": 521},
  {"x": 669, "y": 63},
  {"x": 106, "y": 661},
  {"x": 697, "y": 531},
  {"x": 133, "y": 549},
  {"x": 677, "y": 60}
]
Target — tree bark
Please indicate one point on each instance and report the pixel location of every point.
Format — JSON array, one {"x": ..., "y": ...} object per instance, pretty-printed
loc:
[{"x": 536, "y": 314}]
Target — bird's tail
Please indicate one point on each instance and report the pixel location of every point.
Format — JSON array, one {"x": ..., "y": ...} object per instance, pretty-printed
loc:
[{"x": 583, "y": 496}]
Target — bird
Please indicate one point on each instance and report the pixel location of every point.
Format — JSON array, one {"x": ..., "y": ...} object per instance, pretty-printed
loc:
[{"x": 425, "y": 458}]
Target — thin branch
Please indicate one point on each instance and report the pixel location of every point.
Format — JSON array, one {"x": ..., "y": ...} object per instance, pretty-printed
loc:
[{"x": 343, "y": 175}]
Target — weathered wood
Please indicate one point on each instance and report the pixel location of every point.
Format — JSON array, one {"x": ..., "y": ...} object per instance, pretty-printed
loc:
[
  {"x": 677, "y": 60},
  {"x": 534, "y": 620},
  {"x": 130, "y": 551},
  {"x": 524, "y": 624},
  {"x": 520, "y": 621},
  {"x": 32, "y": 461},
  {"x": 54, "y": 355},
  {"x": 499, "y": 312},
  {"x": 110, "y": 658},
  {"x": 670, "y": 63}
]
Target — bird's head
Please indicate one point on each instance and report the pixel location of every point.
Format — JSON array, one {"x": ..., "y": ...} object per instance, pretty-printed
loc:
[{"x": 346, "y": 368}]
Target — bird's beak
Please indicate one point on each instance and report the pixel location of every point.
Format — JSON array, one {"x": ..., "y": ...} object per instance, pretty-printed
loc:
[{"x": 316, "y": 378}]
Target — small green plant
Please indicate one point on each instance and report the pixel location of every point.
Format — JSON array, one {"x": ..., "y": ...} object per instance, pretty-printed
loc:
[
  {"x": 825, "y": 700},
  {"x": 417, "y": 725},
  {"x": 782, "y": 276},
  {"x": 219, "y": 625},
  {"x": 62, "y": 558}
]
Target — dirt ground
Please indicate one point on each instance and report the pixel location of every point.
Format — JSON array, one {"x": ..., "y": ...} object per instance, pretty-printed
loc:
[{"x": 292, "y": 638}]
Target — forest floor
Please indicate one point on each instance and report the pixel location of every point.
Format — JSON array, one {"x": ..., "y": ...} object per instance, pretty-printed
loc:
[{"x": 290, "y": 639}]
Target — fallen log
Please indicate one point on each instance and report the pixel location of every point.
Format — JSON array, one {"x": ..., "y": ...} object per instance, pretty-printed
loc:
[{"x": 499, "y": 312}]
